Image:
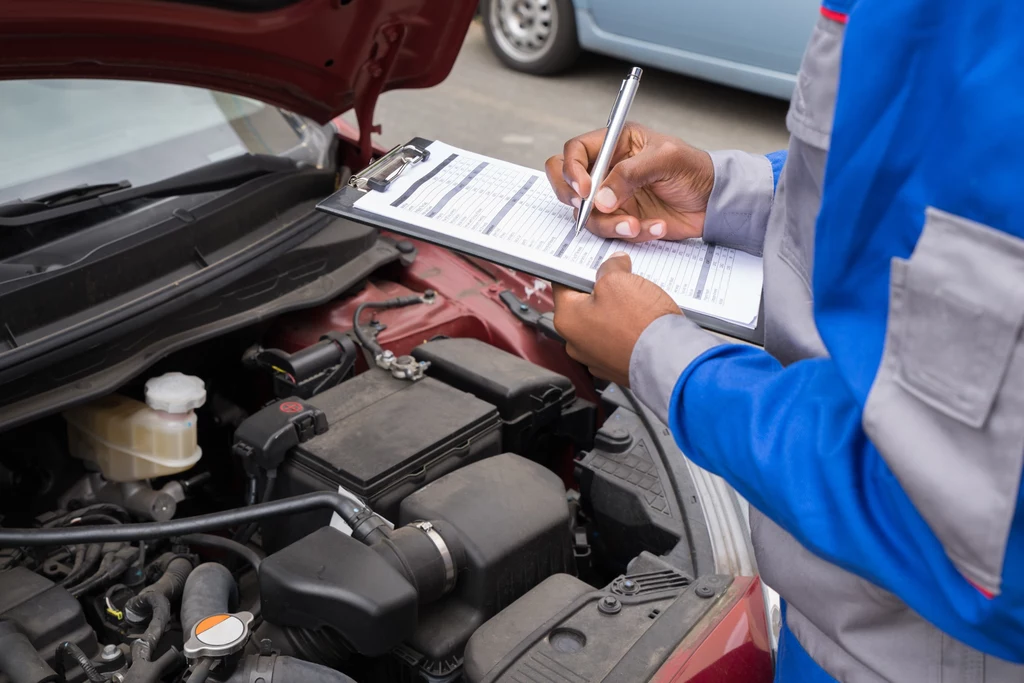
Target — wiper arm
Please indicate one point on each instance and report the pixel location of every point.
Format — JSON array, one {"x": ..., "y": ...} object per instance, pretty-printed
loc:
[
  {"x": 53, "y": 200},
  {"x": 220, "y": 175}
]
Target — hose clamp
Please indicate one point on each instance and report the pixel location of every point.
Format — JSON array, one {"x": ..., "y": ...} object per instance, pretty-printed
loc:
[{"x": 442, "y": 549}]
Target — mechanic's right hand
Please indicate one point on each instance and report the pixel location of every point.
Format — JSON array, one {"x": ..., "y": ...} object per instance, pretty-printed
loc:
[{"x": 657, "y": 188}]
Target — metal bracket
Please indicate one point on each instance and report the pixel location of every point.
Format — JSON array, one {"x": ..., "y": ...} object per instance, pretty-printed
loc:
[{"x": 526, "y": 314}]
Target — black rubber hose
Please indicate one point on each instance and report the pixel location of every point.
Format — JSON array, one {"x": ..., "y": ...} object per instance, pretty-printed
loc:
[
  {"x": 280, "y": 669},
  {"x": 112, "y": 566},
  {"x": 19, "y": 658},
  {"x": 350, "y": 512},
  {"x": 90, "y": 556},
  {"x": 210, "y": 589},
  {"x": 159, "y": 608},
  {"x": 76, "y": 569},
  {"x": 144, "y": 671},
  {"x": 154, "y": 603},
  {"x": 201, "y": 671},
  {"x": 98, "y": 508},
  {"x": 246, "y": 534},
  {"x": 68, "y": 648},
  {"x": 371, "y": 345},
  {"x": 251, "y": 556},
  {"x": 170, "y": 584}
]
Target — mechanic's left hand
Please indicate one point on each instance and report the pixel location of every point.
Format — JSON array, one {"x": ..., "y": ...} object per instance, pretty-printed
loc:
[{"x": 601, "y": 329}]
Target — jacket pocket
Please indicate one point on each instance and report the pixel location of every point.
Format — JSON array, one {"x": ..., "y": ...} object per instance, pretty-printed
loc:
[{"x": 946, "y": 410}]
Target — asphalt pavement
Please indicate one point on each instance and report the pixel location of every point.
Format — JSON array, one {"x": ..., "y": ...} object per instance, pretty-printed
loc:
[{"x": 485, "y": 107}]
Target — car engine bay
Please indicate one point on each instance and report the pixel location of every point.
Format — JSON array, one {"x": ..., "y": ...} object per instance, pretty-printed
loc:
[{"x": 292, "y": 502}]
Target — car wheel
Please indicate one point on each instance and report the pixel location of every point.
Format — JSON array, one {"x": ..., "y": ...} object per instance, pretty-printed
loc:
[{"x": 532, "y": 36}]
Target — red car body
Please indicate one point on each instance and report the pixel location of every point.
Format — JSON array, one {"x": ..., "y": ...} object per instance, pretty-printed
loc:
[{"x": 321, "y": 58}]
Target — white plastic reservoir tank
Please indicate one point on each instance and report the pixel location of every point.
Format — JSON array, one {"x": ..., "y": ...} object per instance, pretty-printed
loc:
[{"x": 131, "y": 441}]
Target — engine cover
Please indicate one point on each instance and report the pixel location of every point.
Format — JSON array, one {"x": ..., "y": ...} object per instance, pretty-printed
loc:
[{"x": 45, "y": 613}]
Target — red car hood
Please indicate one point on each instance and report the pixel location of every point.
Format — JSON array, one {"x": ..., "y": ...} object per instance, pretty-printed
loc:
[{"x": 317, "y": 58}]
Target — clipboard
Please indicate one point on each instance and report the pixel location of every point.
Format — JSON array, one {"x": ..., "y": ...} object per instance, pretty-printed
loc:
[{"x": 379, "y": 176}]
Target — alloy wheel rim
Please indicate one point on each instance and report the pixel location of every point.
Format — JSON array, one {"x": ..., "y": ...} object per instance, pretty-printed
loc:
[{"x": 524, "y": 29}]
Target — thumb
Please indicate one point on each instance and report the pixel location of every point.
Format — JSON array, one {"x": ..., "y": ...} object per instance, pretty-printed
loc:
[
  {"x": 629, "y": 175},
  {"x": 619, "y": 262}
]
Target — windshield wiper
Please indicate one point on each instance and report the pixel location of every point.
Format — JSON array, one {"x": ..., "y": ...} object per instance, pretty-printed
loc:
[
  {"x": 53, "y": 200},
  {"x": 220, "y": 175}
]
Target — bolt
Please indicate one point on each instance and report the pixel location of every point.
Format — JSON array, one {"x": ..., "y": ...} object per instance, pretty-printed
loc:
[
  {"x": 117, "y": 678},
  {"x": 629, "y": 586},
  {"x": 704, "y": 591},
  {"x": 523, "y": 307},
  {"x": 110, "y": 653},
  {"x": 609, "y": 605}
]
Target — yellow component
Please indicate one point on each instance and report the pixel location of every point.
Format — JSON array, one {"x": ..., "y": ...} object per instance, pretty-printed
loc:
[
  {"x": 274, "y": 367},
  {"x": 116, "y": 613}
]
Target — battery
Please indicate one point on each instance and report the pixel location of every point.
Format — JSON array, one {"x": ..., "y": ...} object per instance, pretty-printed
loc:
[{"x": 386, "y": 438}]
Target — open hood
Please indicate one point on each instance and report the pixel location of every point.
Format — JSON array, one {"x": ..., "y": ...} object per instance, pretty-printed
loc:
[{"x": 318, "y": 58}]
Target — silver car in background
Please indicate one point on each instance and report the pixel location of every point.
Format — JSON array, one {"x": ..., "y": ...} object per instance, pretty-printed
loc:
[{"x": 753, "y": 45}]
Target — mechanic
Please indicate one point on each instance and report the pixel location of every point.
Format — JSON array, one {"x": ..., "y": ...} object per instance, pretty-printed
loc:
[{"x": 880, "y": 433}]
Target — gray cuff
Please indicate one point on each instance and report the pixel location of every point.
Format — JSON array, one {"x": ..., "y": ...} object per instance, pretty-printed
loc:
[
  {"x": 740, "y": 201},
  {"x": 660, "y": 356}
]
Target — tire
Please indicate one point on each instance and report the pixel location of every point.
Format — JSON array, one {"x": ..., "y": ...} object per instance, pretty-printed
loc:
[{"x": 532, "y": 36}]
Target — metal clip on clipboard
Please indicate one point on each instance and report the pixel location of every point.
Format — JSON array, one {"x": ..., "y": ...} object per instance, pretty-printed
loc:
[{"x": 379, "y": 175}]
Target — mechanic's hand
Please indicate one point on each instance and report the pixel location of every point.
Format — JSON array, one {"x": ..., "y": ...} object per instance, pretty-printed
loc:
[
  {"x": 601, "y": 329},
  {"x": 657, "y": 187}
]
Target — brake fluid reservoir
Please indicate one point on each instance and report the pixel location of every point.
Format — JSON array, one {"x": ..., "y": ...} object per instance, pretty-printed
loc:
[{"x": 129, "y": 440}]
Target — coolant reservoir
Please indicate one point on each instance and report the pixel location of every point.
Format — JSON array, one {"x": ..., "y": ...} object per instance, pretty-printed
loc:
[{"x": 129, "y": 440}]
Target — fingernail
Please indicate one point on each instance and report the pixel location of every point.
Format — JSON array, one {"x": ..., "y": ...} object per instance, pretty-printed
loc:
[
  {"x": 606, "y": 198},
  {"x": 577, "y": 202},
  {"x": 657, "y": 230},
  {"x": 576, "y": 187},
  {"x": 618, "y": 254},
  {"x": 623, "y": 229}
]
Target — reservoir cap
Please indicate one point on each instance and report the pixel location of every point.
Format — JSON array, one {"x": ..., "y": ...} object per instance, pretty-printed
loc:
[{"x": 175, "y": 392}]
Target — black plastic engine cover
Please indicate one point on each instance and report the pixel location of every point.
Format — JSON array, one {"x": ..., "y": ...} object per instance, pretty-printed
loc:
[
  {"x": 46, "y": 613},
  {"x": 512, "y": 517},
  {"x": 565, "y": 632}
]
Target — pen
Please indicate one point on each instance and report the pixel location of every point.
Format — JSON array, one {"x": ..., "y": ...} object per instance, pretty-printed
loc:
[{"x": 616, "y": 122}]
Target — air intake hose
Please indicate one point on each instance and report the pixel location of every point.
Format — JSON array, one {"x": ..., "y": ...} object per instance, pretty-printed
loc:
[
  {"x": 210, "y": 589},
  {"x": 277, "y": 669}
]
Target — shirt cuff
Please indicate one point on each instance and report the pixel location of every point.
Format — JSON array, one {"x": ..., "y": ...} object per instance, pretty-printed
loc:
[
  {"x": 661, "y": 355},
  {"x": 741, "y": 200}
]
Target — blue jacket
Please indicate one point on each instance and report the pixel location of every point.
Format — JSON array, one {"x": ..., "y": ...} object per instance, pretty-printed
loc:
[{"x": 928, "y": 128}]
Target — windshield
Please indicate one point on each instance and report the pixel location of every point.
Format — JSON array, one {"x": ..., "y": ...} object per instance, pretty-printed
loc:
[{"x": 57, "y": 134}]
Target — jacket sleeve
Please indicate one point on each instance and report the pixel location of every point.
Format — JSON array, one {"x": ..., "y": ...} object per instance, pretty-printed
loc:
[
  {"x": 790, "y": 441},
  {"x": 742, "y": 198}
]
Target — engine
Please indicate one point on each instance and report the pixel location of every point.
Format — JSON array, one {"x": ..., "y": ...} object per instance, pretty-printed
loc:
[{"x": 339, "y": 513}]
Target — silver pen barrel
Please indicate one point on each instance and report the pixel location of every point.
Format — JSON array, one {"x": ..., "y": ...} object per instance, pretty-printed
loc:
[{"x": 616, "y": 122}]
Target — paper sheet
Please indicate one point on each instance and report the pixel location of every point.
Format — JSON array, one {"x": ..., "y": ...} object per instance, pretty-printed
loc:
[{"x": 512, "y": 209}]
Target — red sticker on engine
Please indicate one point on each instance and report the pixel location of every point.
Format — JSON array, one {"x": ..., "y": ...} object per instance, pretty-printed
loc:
[{"x": 291, "y": 407}]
